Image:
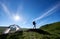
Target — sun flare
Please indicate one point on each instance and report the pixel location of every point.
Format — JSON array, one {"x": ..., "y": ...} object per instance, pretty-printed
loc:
[{"x": 16, "y": 17}]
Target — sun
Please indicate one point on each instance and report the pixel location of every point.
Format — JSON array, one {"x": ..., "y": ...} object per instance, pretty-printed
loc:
[{"x": 16, "y": 17}]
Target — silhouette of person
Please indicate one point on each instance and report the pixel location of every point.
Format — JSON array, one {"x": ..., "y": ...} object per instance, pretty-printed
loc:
[{"x": 34, "y": 25}]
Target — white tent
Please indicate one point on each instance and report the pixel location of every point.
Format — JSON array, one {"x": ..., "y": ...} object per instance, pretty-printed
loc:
[{"x": 12, "y": 28}]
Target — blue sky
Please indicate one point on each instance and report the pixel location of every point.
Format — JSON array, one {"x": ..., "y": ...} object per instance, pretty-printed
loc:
[{"x": 41, "y": 11}]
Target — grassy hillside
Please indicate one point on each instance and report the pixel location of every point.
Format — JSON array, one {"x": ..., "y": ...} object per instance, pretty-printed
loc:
[
  {"x": 30, "y": 34},
  {"x": 49, "y": 31},
  {"x": 16, "y": 35},
  {"x": 2, "y": 29},
  {"x": 52, "y": 28}
]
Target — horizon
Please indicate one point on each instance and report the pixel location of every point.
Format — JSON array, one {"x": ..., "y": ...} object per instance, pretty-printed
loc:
[
  {"x": 26, "y": 27},
  {"x": 24, "y": 12}
]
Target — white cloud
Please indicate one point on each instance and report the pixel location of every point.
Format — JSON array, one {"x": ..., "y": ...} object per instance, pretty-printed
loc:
[
  {"x": 6, "y": 10},
  {"x": 47, "y": 13}
]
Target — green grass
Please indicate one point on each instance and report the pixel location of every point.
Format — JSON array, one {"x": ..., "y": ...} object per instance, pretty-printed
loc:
[
  {"x": 54, "y": 27},
  {"x": 2, "y": 29},
  {"x": 31, "y": 35}
]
